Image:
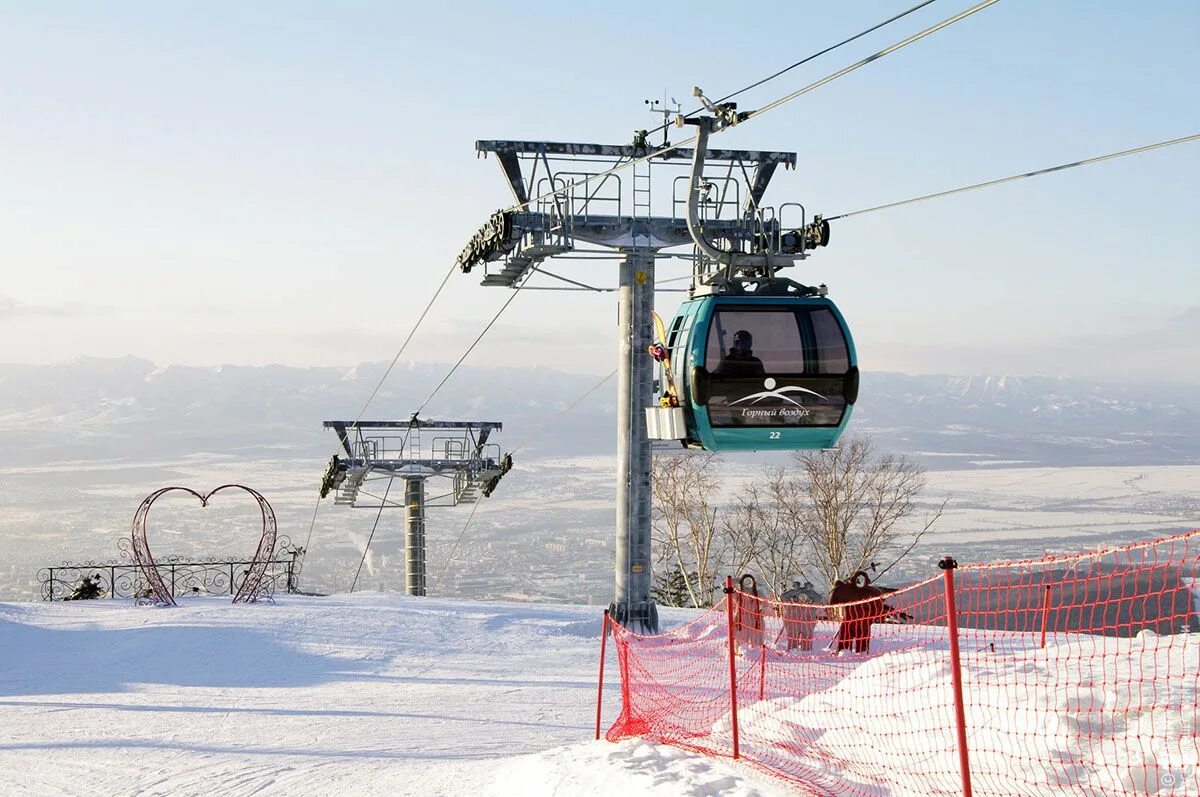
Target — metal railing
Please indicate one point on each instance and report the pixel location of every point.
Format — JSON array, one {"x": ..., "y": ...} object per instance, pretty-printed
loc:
[{"x": 185, "y": 576}]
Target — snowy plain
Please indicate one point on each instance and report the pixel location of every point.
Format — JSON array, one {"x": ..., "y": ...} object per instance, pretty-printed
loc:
[
  {"x": 546, "y": 533},
  {"x": 364, "y": 694}
]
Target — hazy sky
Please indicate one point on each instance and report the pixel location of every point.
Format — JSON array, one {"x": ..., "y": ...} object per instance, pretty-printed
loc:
[{"x": 208, "y": 182}]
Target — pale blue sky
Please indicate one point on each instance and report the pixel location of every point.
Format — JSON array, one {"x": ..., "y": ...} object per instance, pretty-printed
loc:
[{"x": 207, "y": 182}]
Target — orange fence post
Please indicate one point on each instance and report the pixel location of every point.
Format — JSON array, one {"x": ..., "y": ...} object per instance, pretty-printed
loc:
[
  {"x": 1045, "y": 613},
  {"x": 960, "y": 714},
  {"x": 732, "y": 665},
  {"x": 762, "y": 671},
  {"x": 600, "y": 680}
]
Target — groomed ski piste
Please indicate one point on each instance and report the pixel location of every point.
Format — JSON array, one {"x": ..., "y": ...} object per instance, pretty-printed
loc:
[
  {"x": 371, "y": 693},
  {"x": 379, "y": 693}
]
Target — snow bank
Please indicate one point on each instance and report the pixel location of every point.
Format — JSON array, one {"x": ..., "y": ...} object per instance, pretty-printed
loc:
[
  {"x": 626, "y": 768},
  {"x": 1088, "y": 715}
]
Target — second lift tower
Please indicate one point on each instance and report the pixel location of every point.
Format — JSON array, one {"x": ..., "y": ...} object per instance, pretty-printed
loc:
[{"x": 456, "y": 455}]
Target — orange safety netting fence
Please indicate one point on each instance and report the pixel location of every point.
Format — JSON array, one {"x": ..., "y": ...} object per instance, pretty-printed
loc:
[{"x": 1068, "y": 675}]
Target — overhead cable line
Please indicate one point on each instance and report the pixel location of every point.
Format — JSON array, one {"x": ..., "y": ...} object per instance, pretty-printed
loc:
[
  {"x": 538, "y": 436},
  {"x": 388, "y": 504},
  {"x": 429, "y": 398},
  {"x": 581, "y": 285},
  {"x": 659, "y": 152},
  {"x": 311, "y": 524},
  {"x": 470, "y": 348},
  {"x": 803, "y": 61},
  {"x": 375, "y": 392},
  {"x": 548, "y": 426},
  {"x": 516, "y": 289},
  {"x": 1015, "y": 177},
  {"x": 876, "y": 56},
  {"x": 367, "y": 547},
  {"x": 454, "y": 550},
  {"x": 404, "y": 345}
]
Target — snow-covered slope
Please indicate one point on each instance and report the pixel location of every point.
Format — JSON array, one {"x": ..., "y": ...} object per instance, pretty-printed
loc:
[{"x": 363, "y": 694}]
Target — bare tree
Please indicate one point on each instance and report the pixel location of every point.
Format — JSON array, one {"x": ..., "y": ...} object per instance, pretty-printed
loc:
[
  {"x": 838, "y": 511},
  {"x": 854, "y": 508},
  {"x": 687, "y": 537},
  {"x": 763, "y": 536}
]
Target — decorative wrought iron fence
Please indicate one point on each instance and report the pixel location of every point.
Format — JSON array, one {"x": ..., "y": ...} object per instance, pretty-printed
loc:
[{"x": 184, "y": 576}]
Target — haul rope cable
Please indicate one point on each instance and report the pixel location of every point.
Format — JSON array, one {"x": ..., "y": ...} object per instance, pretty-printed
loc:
[
  {"x": 387, "y": 372},
  {"x": 769, "y": 107},
  {"x": 547, "y": 427},
  {"x": 471, "y": 348},
  {"x": 1012, "y": 178},
  {"x": 454, "y": 549},
  {"x": 367, "y": 547},
  {"x": 392, "y": 504},
  {"x": 440, "y": 385},
  {"x": 884, "y": 52},
  {"x": 802, "y": 61},
  {"x": 429, "y": 398},
  {"x": 528, "y": 442}
]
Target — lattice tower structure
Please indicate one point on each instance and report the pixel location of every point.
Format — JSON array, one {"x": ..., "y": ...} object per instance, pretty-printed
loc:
[
  {"x": 570, "y": 203},
  {"x": 455, "y": 457}
]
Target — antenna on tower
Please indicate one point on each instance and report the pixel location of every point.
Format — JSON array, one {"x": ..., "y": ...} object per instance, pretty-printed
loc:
[{"x": 668, "y": 109}]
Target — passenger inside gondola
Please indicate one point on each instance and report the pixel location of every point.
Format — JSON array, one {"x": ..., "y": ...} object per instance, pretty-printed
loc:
[{"x": 740, "y": 361}]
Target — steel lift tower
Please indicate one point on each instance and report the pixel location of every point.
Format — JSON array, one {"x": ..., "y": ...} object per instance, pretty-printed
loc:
[
  {"x": 458, "y": 456},
  {"x": 569, "y": 205}
]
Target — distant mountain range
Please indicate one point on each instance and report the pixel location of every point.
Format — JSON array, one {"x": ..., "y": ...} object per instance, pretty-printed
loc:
[
  {"x": 1033, "y": 420},
  {"x": 129, "y": 407}
]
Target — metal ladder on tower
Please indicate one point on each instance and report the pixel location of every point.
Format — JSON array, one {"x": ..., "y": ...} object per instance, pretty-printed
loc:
[
  {"x": 641, "y": 202},
  {"x": 411, "y": 447}
]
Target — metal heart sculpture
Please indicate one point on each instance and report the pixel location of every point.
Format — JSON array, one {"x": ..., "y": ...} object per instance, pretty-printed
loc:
[{"x": 251, "y": 588}]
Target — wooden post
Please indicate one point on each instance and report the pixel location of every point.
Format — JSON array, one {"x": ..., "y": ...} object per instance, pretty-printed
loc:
[
  {"x": 600, "y": 680},
  {"x": 960, "y": 714},
  {"x": 732, "y": 663}
]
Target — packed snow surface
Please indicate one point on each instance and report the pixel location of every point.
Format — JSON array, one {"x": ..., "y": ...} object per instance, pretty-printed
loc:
[
  {"x": 379, "y": 693},
  {"x": 364, "y": 694}
]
